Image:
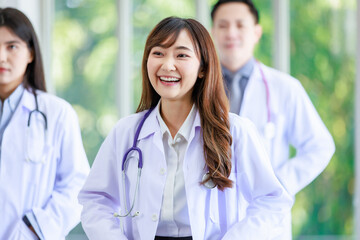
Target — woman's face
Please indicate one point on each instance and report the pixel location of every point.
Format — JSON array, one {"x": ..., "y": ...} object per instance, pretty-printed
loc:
[
  {"x": 14, "y": 58},
  {"x": 173, "y": 71}
]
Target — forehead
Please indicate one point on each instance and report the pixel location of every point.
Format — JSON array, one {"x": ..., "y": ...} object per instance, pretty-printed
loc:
[
  {"x": 7, "y": 35},
  {"x": 233, "y": 11},
  {"x": 182, "y": 39}
]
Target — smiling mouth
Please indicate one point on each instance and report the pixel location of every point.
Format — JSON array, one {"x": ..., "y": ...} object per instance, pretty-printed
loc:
[{"x": 169, "y": 79}]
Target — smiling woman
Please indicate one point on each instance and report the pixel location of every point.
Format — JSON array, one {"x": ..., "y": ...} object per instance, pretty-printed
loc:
[{"x": 179, "y": 146}]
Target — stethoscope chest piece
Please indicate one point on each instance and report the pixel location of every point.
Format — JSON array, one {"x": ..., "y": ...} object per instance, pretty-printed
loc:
[
  {"x": 209, "y": 184},
  {"x": 269, "y": 130}
]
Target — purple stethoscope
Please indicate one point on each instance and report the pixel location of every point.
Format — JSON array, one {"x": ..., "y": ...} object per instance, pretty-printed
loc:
[
  {"x": 269, "y": 130},
  {"x": 134, "y": 148},
  {"x": 209, "y": 184}
]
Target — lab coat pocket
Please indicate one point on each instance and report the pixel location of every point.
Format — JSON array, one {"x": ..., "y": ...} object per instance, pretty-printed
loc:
[
  {"x": 38, "y": 154},
  {"x": 23, "y": 232}
]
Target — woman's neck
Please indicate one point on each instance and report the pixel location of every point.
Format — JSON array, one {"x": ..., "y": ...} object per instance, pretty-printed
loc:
[
  {"x": 174, "y": 114},
  {"x": 7, "y": 89}
]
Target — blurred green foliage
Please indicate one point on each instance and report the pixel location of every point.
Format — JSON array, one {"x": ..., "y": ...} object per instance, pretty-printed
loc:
[
  {"x": 322, "y": 58},
  {"x": 84, "y": 62}
]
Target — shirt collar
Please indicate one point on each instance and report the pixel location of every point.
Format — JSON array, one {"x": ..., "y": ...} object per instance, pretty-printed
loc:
[
  {"x": 186, "y": 127},
  {"x": 14, "y": 98},
  {"x": 244, "y": 71},
  {"x": 152, "y": 125}
]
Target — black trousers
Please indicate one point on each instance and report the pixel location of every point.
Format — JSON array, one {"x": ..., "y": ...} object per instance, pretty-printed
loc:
[{"x": 172, "y": 238}]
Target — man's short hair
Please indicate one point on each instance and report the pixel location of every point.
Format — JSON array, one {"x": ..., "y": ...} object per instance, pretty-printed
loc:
[{"x": 249, "y": 3}]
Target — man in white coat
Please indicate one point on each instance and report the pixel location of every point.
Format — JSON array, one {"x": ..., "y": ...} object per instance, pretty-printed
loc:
[{"x": 276, "y": 102}]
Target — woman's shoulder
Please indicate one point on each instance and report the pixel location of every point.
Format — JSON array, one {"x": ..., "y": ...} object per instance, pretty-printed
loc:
[
  {"x": 52, "y": 101},
  {"x": 129, "y": 122}
]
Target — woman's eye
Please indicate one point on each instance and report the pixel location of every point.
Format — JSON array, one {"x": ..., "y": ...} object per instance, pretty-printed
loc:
[
  {"x": 182, "y": 55},
  {"x": 157, "y": 53}
]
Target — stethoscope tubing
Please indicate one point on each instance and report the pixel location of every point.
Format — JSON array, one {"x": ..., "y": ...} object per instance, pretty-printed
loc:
[
  {"x": 37, "y": 110},
  {"x": 134, "y": 147}
]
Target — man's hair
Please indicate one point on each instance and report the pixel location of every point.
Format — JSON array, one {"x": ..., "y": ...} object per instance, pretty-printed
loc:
[{"x": 249, "y": 3}]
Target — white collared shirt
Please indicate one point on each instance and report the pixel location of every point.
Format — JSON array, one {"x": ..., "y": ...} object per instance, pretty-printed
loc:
[{"x": 174, "y": 217}]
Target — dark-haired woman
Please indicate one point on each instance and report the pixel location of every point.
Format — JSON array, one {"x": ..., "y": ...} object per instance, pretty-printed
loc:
[
  {"x": 42, "y": 160},
  {"x": 182, "y": 167}
]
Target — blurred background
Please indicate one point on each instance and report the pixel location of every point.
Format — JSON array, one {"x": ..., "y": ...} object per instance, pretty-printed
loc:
[{"x": 87, "y": 65}]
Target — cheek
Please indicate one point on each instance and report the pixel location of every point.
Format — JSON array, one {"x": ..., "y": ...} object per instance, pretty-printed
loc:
[
  {"x": 191, "y": 70},
  {"x": 152, "y": 67}
]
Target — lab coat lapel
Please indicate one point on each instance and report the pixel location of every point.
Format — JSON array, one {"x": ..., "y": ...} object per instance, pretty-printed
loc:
[
  {"x": 28, "y": 100},
  {"x": 19, "y": 122},
  {"x": 15, "y": 143},
  {"x": 255, "y": 98},
  {"x": 151, "y": 125},
  {"x": 152, "y": 181}
]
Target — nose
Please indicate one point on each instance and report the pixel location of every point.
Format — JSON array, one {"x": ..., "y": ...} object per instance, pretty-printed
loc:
[
  {"x": 168, "y": 64},
  {"x": 231, "y": 32}
]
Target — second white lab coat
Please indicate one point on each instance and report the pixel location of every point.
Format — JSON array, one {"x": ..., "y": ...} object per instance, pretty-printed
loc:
[
  {"x": 252, "y": 209},
  {"x": 297, "y": 123},
  {"x": 48, "y": 190}
]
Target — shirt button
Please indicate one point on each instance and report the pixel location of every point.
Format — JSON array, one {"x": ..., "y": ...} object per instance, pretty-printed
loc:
[
  {"x": 154, "y": 217},
  {"x": 162, "y": 171}
]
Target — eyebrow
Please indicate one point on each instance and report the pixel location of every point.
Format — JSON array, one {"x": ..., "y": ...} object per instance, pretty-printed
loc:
[
  {"x": 13, "y": 41},
  {"x": 177, "y": 48}
]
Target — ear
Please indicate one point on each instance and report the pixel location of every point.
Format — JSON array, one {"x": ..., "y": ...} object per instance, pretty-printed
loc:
[
  {"x": 31, "y": 56},
  {"x": 258, "y": 32},
  {"x": 201, "y": 74}
]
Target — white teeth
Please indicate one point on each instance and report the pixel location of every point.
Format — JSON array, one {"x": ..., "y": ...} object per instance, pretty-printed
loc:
[{"x": 169, "y": 79}]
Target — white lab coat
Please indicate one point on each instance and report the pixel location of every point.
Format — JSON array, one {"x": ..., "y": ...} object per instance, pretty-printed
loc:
[
  {"x": 297, "y": 123},
  {"x": 252, "y": 209},
  {"x": 49, "y": 190}
]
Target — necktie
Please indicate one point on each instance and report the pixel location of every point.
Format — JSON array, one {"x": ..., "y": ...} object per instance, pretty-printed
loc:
[{"x": 236, "y": 94}]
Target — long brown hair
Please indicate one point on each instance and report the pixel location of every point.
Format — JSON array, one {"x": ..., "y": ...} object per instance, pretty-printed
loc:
[
  {"x": 21, "y": 26},
  {"x": 208, "y": 94}
]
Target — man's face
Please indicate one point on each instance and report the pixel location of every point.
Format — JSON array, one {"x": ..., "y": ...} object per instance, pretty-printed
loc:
[{"x": 235, "y": 34}]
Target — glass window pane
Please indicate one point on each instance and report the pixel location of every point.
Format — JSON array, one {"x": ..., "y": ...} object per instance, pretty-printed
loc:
[
  {"x": 84, "y": 61},
  {"x": 323, "y": 59}
]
